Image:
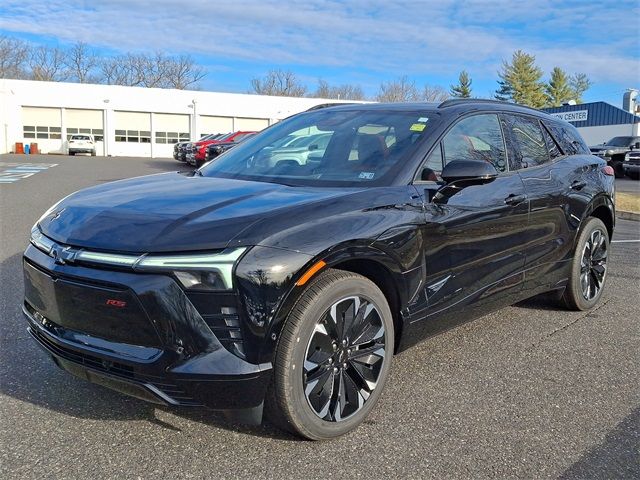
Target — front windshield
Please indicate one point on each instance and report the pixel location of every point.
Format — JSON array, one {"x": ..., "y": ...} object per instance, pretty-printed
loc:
[
  {"x": 620, "y": 141},
  {"x": 327, "y": 147}
]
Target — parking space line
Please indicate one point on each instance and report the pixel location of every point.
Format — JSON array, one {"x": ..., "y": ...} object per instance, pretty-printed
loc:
[{"x": 624, "y": 241}]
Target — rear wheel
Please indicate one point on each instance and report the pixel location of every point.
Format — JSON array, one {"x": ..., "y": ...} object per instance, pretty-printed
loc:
[
  {"x": 333, "y": 357},
  {"x": 93, "y": 153},
  {"x": 589, "y": 267}
]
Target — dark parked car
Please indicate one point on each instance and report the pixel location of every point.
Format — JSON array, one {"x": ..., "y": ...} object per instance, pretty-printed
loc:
[
  {"x": 216, "y": 149},
  {"x": 180, "y": 148},
  {"x": 614, "y": 151},
  {"x": 196, "y": 154},
  {"x": 244, "y": 284},
  {"x": 631, "y": 165}
]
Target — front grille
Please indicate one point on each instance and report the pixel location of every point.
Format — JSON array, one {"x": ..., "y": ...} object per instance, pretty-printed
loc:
[
  {"x": 84, "y": 359},
  {"x": 117, "y": 369}
]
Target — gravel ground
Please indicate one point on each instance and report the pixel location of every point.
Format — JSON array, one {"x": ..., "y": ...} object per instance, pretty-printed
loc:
[{"x": 528, "y": 392}]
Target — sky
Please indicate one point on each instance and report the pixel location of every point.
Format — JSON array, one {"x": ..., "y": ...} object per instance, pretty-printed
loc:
[{"x": 363, "y": 42}]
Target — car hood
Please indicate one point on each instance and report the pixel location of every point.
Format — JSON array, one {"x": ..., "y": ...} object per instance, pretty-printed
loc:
[{"x": 173, "y": 212}]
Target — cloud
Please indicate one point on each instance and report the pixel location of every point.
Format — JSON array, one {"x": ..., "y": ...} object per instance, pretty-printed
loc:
[{"x": 436, "y": 38}]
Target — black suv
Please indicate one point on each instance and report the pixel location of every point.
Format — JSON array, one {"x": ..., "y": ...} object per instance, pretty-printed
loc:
[
  {"x": 290, "y": 284},
  {"x": 614, "y": 152}
]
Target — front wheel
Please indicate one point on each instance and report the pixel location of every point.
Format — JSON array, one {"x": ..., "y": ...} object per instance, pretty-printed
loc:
[
  {"x": 618, "y": 170},
  {"x": 589, "y": 266},
  {"x": 333, "y": 357},
  {"x": 93, "y": 153}
]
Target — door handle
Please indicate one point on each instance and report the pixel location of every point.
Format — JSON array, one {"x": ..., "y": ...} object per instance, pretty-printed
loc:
[
  {"x": 578, "y": 184},
  {"x": 514, "y": 199}
]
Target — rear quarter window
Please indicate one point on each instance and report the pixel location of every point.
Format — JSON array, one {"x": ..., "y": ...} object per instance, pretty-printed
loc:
[{"x": 567, "y": 137}]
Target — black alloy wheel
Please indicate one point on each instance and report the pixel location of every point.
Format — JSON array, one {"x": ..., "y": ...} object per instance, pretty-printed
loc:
[
  {"x": 589, "y": 266},
  {"x": 333, "y": 357},
  {"x": 344, "y": 358}
]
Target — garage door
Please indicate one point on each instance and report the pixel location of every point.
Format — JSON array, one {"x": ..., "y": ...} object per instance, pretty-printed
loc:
[
  {"x": 44, "y": 127},
  {"x": 256, "y": 124},
  {"x": 85, "y": 121},
  {"x": 209, "y": 124},
  {"x": 169, "y": 129},
  {"x": 132, "y": 134}
]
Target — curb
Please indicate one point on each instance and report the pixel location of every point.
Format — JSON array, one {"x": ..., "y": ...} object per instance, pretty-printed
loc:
[{"x": 628, "y": 215}]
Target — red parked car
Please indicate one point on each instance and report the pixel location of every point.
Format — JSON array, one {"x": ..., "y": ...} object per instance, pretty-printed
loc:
[{"x": 197, "y": 155}]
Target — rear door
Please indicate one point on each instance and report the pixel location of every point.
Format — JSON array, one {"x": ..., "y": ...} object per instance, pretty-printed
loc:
[
  {"x": 550, "y": 179},
  {"x": 476, "y": 237}
]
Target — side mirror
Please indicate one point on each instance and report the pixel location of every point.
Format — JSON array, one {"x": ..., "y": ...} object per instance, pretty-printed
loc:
[
  {"x": 637, "y": 145},
  {"x": 469, "y": 172}
]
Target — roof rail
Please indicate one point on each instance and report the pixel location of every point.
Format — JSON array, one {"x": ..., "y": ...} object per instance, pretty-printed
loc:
[
  {"x": 460, "y": 101},
  {"x": 326, "y": 105}
]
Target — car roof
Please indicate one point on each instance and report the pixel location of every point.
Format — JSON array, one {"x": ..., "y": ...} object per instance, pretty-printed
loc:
[{"x": 455, "y": 106}]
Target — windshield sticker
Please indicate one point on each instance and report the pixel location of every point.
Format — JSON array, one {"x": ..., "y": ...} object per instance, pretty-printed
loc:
[
  {"x": 423, "y": 120},
  {"x": 366, "y": 175},
  {"x": 417, "y": 127}
]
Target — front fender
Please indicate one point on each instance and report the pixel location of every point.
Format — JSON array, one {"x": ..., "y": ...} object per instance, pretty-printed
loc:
[{"x": 266, "y": 279}]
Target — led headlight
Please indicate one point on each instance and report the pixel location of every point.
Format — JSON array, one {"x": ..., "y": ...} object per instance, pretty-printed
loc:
[{"x": 199, "y": 271}]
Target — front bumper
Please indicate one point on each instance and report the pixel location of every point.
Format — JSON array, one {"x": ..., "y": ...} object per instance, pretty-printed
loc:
[
  {"x": 80, "y": 149},
  {"x": 161, "y": 351}
]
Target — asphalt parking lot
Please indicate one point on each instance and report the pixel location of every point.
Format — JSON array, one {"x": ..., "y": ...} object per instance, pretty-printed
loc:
[{"x": 529, "y": 392}]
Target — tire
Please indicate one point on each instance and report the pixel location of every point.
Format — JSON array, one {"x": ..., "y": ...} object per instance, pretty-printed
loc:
[
  {"x": 305, "y": 350},
  {"x": 617, "y": 168},
  {"x": 73, "y": 154},
  {"x": 588, "y": 267},
  {"x": 93, "y": 153}
]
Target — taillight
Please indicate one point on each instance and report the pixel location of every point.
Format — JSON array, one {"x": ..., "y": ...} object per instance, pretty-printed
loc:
[{"x": 608, "y": 170}]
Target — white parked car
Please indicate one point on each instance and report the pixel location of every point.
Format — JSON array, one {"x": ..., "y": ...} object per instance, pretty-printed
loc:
[{"x": 82, "y": 143}]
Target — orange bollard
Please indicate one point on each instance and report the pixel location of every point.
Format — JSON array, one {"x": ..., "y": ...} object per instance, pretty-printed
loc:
[{"x": 19, "y": 147}]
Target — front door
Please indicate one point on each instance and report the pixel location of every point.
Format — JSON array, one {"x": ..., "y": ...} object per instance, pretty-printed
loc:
[{"x": 475, "y": 236}]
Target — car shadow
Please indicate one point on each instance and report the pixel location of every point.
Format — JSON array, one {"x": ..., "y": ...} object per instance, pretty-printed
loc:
[
  {"x": 544, "y": 301},
  {"x": 28, "y": 374}
]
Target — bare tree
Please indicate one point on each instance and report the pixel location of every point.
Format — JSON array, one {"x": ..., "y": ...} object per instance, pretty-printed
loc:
[
  {"x": 81, "y": 62},
  {"x": 279, "y": 83},
  {"x": 434, "y": 93},
  {"x": 341, "y": 92},
  {"x": 47, "y": 64},
  {"x": 182, "y": 72},
  {"x": 156, "y": 71},
  {"x": 400, "y": 90},
  {"x": 14, "y": 54}
]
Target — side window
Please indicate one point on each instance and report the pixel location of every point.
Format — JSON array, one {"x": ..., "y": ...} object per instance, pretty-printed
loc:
[
  {"x": 529, "y": 141},
  {"x": 552, "y": 146},
  {"x": 477, "y": 138},
  {"x": 432, "y": 168},
  {"x": 567, "y": 137}
]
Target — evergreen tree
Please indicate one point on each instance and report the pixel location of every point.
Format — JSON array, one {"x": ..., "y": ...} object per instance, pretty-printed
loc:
[
  {"x": 463, "y": 88},
  {"x": 520, "y": 81},
  {"x": 579, "y": 83},
  {"x": 558, "y": 89}
]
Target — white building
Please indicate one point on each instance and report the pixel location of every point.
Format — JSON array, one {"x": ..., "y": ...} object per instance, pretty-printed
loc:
[{"x": 129, "y": 121}]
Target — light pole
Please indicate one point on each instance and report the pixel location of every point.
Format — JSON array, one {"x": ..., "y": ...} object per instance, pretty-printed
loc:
[
  {"x": 106, "y": 134},
  {"x": 194, "y": 126}
]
